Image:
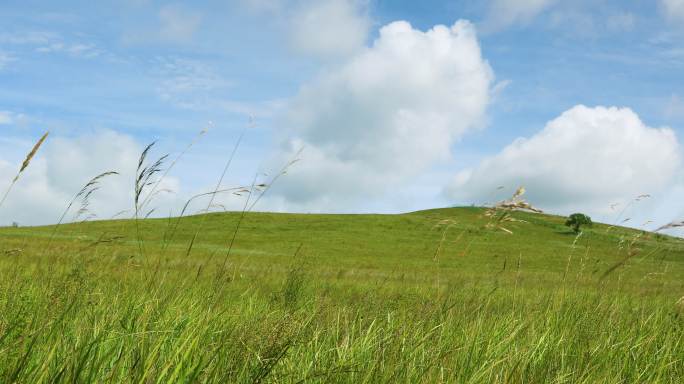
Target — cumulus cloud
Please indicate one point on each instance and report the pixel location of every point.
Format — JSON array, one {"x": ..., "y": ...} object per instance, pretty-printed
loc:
[
  {"x": 323, "y": 29},
  {"x": 585, "y": 159},
  {"x": 502, "y": 14},
  {"x": 386, "y": 115},
  {"x": 62, "y": 167},
  {"x": 329, "y": 28},
  {"x": 673, "y": 10}
]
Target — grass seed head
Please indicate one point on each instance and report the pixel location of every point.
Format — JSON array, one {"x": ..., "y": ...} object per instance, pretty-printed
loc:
[
  {"x": 502, "y": 211},
  {"x": 31, "y": 154}
]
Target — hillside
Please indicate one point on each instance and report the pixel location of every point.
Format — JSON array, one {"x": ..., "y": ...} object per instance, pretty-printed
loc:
[
  {"x": 372, "y": 244},
  {"x": 425, "y": 296}
]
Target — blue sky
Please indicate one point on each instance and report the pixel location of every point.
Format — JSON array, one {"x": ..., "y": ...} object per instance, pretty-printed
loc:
[{"x": 391, "y": 117}]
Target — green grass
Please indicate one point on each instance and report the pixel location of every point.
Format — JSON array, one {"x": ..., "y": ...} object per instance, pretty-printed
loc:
[{"x": 340, "y": 299}]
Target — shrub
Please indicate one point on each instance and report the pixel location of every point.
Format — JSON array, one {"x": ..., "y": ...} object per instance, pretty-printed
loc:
[{"x": 576, "y": 220}]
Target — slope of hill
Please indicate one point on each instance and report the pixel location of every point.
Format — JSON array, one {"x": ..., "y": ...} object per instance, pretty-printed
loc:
[{"x": 427, "y": 296}]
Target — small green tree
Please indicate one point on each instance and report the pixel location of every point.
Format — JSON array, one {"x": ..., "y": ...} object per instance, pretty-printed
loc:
[{"x": 576, "y": 220}]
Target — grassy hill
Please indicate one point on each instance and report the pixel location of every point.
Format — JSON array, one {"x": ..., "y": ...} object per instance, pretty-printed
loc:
[{"x": 429, "y": 296}]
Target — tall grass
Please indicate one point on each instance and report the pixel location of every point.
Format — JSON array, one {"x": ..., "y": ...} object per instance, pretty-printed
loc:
[{"x": 104, "y": 324}]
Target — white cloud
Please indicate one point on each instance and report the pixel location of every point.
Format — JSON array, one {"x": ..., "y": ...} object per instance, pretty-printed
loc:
[
  {"x": 5, "y": 59},
  {"x": 329, "y": 28},
  {"x": 74, "y": 50},
  {"x": 13, "y": 118},
  {"x": 62, "y": 167},
  {"x": 502, "y": 14},
  {"x": 325, "y": 29},
  {"x": 386, "y": 115},
  {"x": 587, "y": 20},
  {"x": 6, "y": 118},
  {"x": 673, "y": 10},
  {"x": 178, "y": 24},
  {"x": 585, "y": 159},
  {"x": 183, "y": 79},
  {"x": 194, "y": 85},
  {"x": 29, "y": 38},
  {"x": 48, "y": 42}
]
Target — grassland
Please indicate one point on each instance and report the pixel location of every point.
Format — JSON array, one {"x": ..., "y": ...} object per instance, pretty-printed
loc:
[{"x": 431, "y": 296}]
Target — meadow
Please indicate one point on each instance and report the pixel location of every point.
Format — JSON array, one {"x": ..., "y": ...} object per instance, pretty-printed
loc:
[
  {"x": 501, "y": 294},
  {"x": 424, "y": 297}
]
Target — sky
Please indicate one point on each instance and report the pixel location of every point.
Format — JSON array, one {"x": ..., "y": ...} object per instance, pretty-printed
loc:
[{"x": 386, "y": 106}]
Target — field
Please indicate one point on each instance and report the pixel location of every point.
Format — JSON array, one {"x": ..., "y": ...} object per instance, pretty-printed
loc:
[{"x": 424, "y": 297}]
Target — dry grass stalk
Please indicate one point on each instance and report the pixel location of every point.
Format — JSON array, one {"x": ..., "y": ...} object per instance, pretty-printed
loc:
[
  {"x": 17, "y": 251},
  {"x": 25, "y": 165},
  {"x": 446, "y": 225},
  {"x": 31, "y": 154},
  {"x": 145, "y": 177},
  {"x": 218, "y": 185},
  {"x": 622, "y": 212},
  {"x": 84, "y": 195},
  {"x": 262, "y": 188},
  {"x": 674, "y": 224},
  {"x": 154, "y": 190},
  {"x": 502, "y": 212},
  {"x": 632, "y": 247}
]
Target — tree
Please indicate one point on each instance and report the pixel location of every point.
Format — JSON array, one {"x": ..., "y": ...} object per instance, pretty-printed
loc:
[{"x": 576, "y": 220}]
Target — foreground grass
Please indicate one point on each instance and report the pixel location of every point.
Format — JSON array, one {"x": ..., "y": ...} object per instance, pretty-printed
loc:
[{"x": 335, "y": 298}]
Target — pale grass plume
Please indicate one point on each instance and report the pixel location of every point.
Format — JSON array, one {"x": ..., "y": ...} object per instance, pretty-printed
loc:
[
  {"x": 618, "y": 219},
  {"x": 25, "y": 164},
  {"x": 501, "y": 212},
  {"x": 674, "y": 224},
  {"x": 31, "y": 154},
  {"x": 631, "y": 246}
]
